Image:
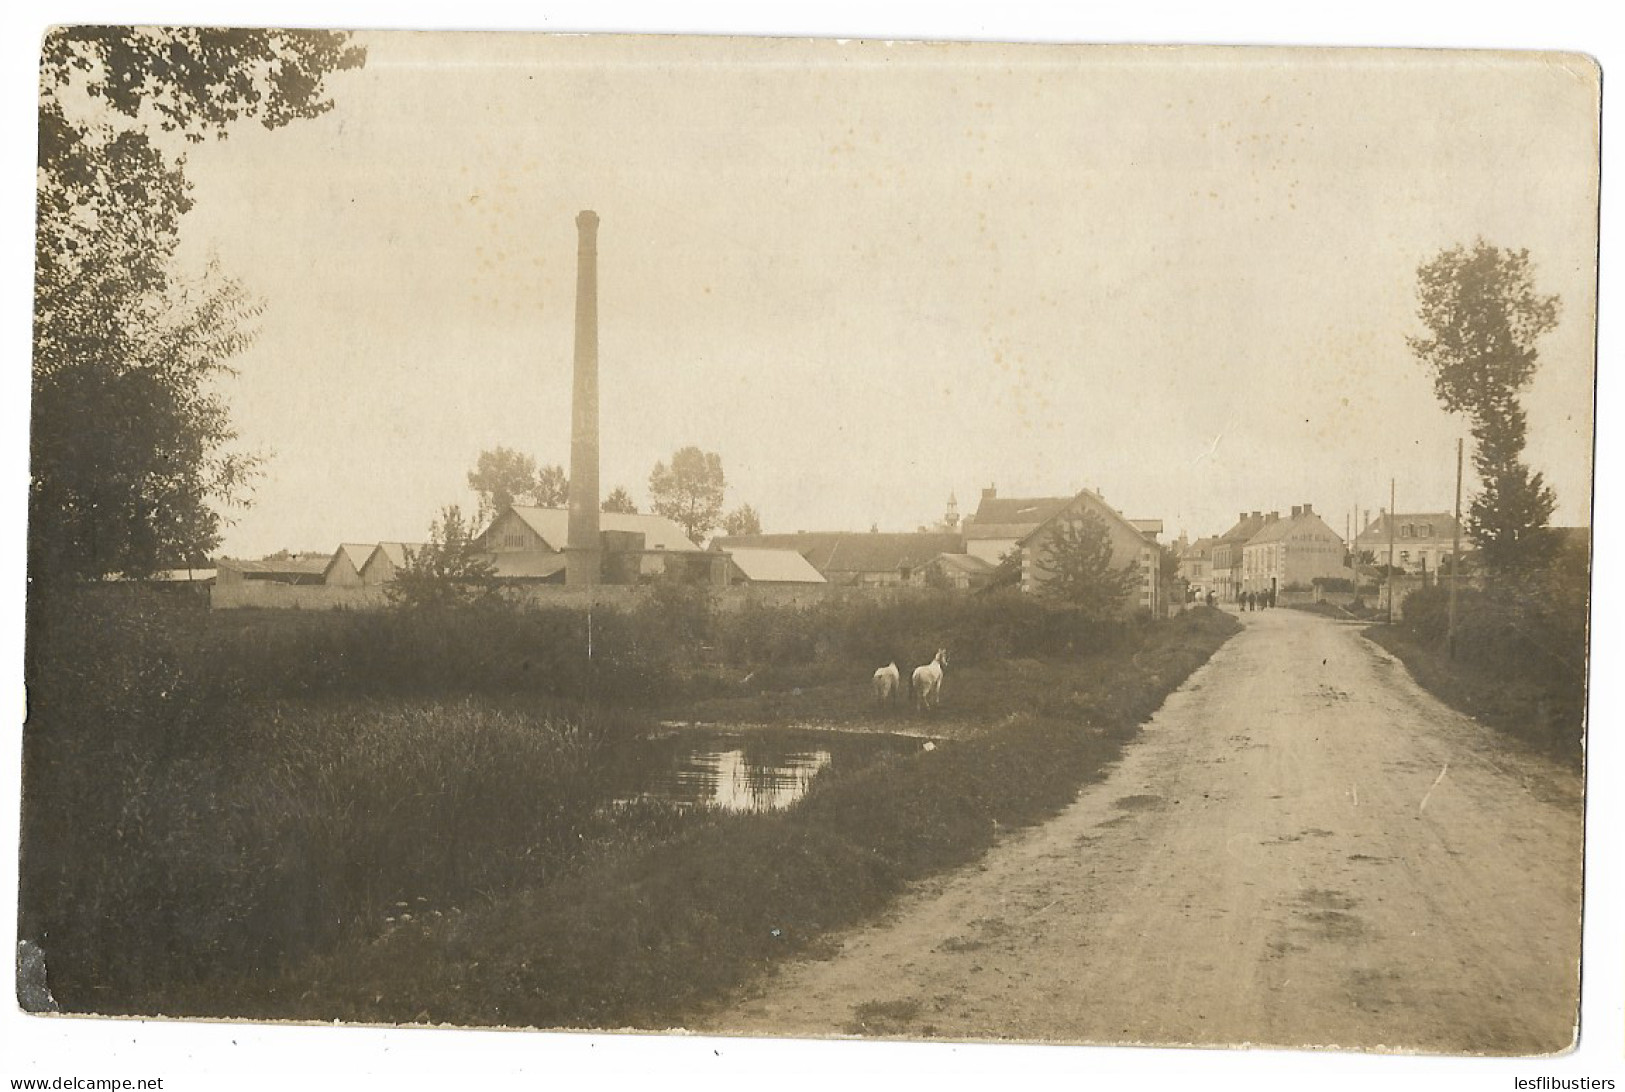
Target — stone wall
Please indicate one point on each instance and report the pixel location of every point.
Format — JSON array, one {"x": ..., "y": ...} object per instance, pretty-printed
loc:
[{"x": 269, "y": 595}]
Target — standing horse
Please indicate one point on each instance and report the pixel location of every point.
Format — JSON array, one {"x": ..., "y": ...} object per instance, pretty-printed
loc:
[
  {"x": 928, "y": 681},
  {"x": 888, "y": 684}
]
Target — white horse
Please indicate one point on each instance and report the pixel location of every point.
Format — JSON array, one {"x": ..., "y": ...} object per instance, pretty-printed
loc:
[
  {"x": 928, "y": 681},
  {"x": 888, "y": 684}
]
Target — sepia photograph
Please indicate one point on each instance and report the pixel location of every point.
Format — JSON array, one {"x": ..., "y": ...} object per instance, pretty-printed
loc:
[{"x": 746, "y": 539}]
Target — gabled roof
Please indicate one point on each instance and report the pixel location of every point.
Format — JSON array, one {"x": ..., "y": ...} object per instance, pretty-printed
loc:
[
  {"x": 969, "y": 564},
  {"x": 355, "y": 553},
  {"x": 1273, "y": 530},
  {"x": 1095, "y": 503},
  {"x": 1243, "y": 530},
  {"x": 395, "y": 552},
  {"x": 552, "y": 526},
  {"x": 1443, "y": 523},
  {"x": 1279, "y": 529},
  {"x": 1011, "y": 517},
  {"x": 763, "y": 565},
  {"x": 1201, "y": 547},
  {"x": 855, "y": 552}
]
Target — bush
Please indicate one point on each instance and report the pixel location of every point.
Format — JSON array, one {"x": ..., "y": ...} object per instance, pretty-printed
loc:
[
  {"x": 1520, "y": 655},
  {"x": 311, "y": 826},
  {"x": 212, "y": 799}
]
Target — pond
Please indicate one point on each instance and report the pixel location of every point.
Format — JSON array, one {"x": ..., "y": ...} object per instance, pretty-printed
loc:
[{"x": 759, "y": 769}]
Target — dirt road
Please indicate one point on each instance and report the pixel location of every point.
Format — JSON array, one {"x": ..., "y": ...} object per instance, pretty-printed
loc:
[{"x": 1303, "y": 848}]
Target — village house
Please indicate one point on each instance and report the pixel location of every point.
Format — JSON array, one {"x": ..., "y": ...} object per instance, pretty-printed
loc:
[
  {"x": 871, "y": 559},
  {"x": 1421, "y": 540},
  {"x": 526, "y": 544},
  {"x": 1196, "y": 565},
  {"x": 1292, "y": 553},
  {"x": 1001, "y": 522},
  {"x": 1226, "y": 563},
  {"x": 1133, "y": 542}
]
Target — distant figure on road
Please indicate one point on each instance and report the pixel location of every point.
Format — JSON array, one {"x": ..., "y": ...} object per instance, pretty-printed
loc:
[
  {"x": 1211, "y": 598},
  {"x": 1246, "y": 600},
  {"x": 1272, "y": 597}
]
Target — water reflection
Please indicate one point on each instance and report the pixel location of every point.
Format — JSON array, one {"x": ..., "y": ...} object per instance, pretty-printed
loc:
[{"x": 754, "y": 771}]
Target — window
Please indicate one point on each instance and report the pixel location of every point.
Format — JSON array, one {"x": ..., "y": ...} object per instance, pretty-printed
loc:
[
  {"x": 1404, "y": 557},
  {"x": 1405, "y": 530}
]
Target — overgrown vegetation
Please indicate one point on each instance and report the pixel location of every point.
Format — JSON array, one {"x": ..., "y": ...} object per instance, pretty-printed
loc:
[
  {"x": 1076, "y": 560},
  {"x": 131, "y": 441},
  {"x": 400, "y": 815},
  {"x": 446, "y": 571},
  {"x": 1484, "y": 315},
  {"x": 1520, "y": 649}
]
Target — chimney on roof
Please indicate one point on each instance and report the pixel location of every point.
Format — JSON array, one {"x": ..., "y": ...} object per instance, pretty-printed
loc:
[
  {"x": 1297, "y": 510},
  {"x": 583, "y": 551},
  {"x": 1242, "y": 518},
  {"x": 1258, "y": 515},
  {"x": 1308, "y": 509},
  {"x": 990, "y": 493},
  {"x": 1272, "y": 517}
]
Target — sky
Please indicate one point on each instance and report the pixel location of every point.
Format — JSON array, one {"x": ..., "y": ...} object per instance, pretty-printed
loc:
[{"x": 871, "y": 276}]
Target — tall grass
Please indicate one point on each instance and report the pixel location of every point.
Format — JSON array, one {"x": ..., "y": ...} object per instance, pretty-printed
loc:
[
  {"x": 645, "y": 938},
  {"x": 175, "y": 830},
  {"x": 1520, "y": 656},
  {"x": 300, "y": 815}
]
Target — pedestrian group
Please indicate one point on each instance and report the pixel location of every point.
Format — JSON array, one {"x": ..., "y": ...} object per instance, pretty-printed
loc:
[{"x": 1258, "y": 600}]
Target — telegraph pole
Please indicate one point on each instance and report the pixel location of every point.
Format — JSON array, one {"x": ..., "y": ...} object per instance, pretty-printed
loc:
[
  {"x": 1455, "y": 561},
  {"x": 1392, "y": 522}
]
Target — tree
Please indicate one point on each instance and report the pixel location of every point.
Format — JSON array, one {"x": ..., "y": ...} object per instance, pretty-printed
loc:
[
  {"x": 130, "y": 439},
  {"x": 504, "y": 476},
  {"x": 619, "y": 500},
  {"x": 445, "y": 572},
  {"x": 552, "y": 487},
  {"x": 690, "y": 491},
  {"x": 1075, "y": 563},
  {"x": 501, "y": 477},
  {"x": 1007, "y": 573},
  {"x": 1484, "y": 314},
  {"x": 744, "y": 520}
]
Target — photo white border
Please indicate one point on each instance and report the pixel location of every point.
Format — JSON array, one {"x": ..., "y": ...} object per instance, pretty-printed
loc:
[{"x": 247, "y": 1056}]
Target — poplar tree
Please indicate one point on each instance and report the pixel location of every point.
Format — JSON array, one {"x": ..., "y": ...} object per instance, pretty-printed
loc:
[{"x": 1484, "y": 316}]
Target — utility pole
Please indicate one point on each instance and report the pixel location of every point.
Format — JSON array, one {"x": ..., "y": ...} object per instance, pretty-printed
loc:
[
  {"x": 1391, "y": 528},
  {"x": 1455, "y": 561}
]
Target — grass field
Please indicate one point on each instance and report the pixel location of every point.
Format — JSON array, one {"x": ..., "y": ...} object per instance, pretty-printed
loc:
[
  {"x": 1543, "y": 709},
  {"x": 231, "y": 819}
]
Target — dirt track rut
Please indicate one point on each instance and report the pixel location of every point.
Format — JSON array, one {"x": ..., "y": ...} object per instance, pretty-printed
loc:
[{"x": 1303, "y": 848}]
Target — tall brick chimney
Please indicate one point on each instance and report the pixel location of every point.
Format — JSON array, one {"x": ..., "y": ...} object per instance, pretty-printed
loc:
[{"x": 583, "y": 563}]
